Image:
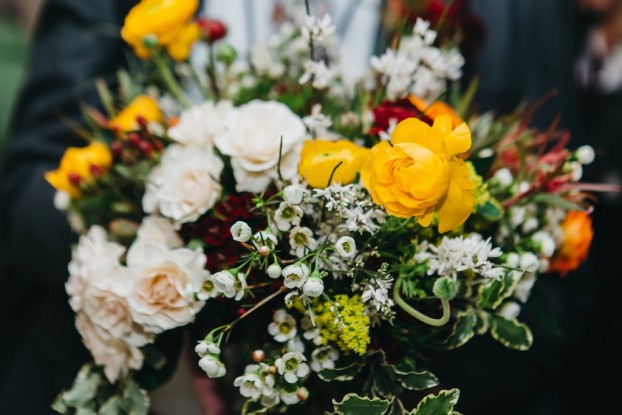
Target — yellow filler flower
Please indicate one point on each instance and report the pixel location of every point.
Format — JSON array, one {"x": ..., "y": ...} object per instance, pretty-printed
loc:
[
  {"x": 420, "y": 172},
  {"x": 142, "y": 106},
  {"x": 168, "y": 22},
  {"x": 320, "y": 157},
  {"x": 79, "y": 165}
]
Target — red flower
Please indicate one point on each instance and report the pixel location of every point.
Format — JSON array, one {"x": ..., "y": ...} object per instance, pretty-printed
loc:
[
  {"x": 213, "y": 29},
  {"x": 398, "y": 111}
]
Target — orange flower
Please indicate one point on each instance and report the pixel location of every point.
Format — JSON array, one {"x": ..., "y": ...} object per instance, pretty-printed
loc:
[
  {"x": 142, "y": 106},
  {"x": 420, "y": 173},
  {"x": 78, "y": 165},
  {"x": 575, "y": 247},
  {"x": 436, "y": 109},
  {"x": 319, "y": 158}
]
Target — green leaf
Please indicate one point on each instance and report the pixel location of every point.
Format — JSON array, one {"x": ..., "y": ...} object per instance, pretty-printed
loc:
[
  {"x": 342, "y": 374},
  {"x": 352, "y": 404},
  {"x": 253, "y": 407},
  {"x": 558, "y": 201},
  {"x": 84, "y": 388},
  {"x": 136, "y": 399},
  {"x": 463, "y": 329},
  {"x": 441, "y": 404},
  {"x": 113, "y": 406},
  {"x": 491, "y": 210},
  {"x": 510, "y": 333},
  {"x": 492, "y": 294},
  {"x": 417, "y": 380},
  {"x": 85, "y": 410},
  {"x": 129, "y": 89}
]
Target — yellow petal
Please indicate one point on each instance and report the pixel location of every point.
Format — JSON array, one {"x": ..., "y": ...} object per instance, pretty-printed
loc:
[
  {"x": 412, "y": 130},
  {"x": 425, "y": 219},
  {"x": 459, "y": 140},
  {"x": 456, "y": 206},
  {"x": 443, "y": 124}
]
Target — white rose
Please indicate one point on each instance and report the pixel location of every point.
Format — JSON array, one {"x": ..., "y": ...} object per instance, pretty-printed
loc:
[
  {"x": 105, "y": 304},
  {"x": 116, "y": 356},
  {"x": 162, "y": 296},
  {"x": 199, "y": 125},
  {"x": 184, "y": 186},
  {"x": 253, "y": 140},
  {"x": 158, "y": 231},
  {"x": 94, "y": 257}
]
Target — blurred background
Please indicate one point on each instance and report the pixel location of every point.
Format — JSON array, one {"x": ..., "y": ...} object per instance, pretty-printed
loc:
[{"x": 569, "y": 51}]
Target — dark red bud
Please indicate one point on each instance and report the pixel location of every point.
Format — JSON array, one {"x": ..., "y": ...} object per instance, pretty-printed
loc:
[
  {"x": 134, "y": 139},
  {"x": 74, "y": 179},
  {"x": 96, "y": 170},
  {"x": 142, "y": 122},
  {"x": 116, "y": 148},
  {"x": 146, "y": 148},
  {"x": 213, "y": 29}
]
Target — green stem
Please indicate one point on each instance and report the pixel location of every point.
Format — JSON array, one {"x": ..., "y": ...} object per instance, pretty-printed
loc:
[
  {"x": 169, "y": 80},
  {"x": 437, "y": 322}
]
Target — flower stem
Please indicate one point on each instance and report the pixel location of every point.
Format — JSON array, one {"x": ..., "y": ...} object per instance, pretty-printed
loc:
[
  {"x": 169, "y": 79},
  {"x": 437, "y": 322}
]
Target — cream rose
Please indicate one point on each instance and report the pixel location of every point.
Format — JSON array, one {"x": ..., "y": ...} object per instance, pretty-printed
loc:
[
  {"x": 185, "y": 184},
  {"x": 158, "y": 231},
  {"x": 164, "y": 282},
  {"x": 94, "y": 258},
  {"x": 116, "y": 356},
  {"x": 200, "y": 124},
  {"x": 252, "y": 139}
]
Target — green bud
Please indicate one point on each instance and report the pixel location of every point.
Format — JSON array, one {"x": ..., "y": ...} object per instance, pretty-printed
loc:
[
  {"x": 226, "y": 53},
  {"x": 444, "y": 288},
  {"x": 150, "y": 41}
]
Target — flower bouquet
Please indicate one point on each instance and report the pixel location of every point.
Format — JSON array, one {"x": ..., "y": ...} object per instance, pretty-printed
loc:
[{"x": 317, "y": 239}]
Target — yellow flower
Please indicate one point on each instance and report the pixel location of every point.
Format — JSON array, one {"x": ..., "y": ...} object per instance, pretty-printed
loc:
[
  {"x": 436, "y": 109},
  {"x": 167, "y": 20},
  {"x": 320, "y": 157},
  {"x": 180, "y": 48},
  {"x": 419, "y": 173},
  {"x": 344, "y": 322},
  {"x": 78, "y": 165},
  {"x": 143, "y": 106}
]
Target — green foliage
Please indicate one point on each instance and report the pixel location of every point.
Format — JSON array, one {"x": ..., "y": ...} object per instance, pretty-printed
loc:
[
  {"x": 343, "y": 374},
  {"x": 463, "y": 329},
  {"x": 441, "y": 404},
  {"x": 352, "y": 404},
  {"x": 511, "y": 333},
  {"x": 491, "y": 210},
  {"x": 492, "y": 294}
]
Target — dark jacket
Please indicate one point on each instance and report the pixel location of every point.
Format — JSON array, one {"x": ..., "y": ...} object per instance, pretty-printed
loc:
[{"x": 40, "y": 351}]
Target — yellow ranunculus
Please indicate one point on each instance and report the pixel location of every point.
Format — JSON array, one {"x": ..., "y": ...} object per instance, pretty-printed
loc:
[
  {"x": 419, "y": 173},
  {"x": 180, "y": 48},
  {"x": 436, "y": 109},
  {"x": 143, "y": 106},
  {"x": 167, "y": 20},
  {"x": 78, "y": 165},
  {"x": 320, "y": 157}
]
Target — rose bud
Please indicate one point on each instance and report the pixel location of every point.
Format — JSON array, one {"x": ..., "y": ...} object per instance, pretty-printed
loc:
[{"x": 213, "y": 29}]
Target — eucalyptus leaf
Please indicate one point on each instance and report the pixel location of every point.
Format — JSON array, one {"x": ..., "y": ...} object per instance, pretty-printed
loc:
[
  {"x": 441, "y": 404},
  {"x": 353, "y": 404},
  {"x": 510, "y": 333}
]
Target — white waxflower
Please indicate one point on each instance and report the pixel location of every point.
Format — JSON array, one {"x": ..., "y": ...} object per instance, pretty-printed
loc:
[
  {"x": 287, "y": 215},
  {"x": 61, "y": 200},
  {"x": 318, "y": 31},
  {"x": 313, "y": 286},
  {"x": 512, "y": 259},
  {"x": 212, "y": 366},
  {"x": 585, "y": 154},
  {"x": 295, "y": 345},
  {"x": 504, "y": 177},
  {"x": 277, "y": 134},
  {"x": 529, "y": 262},
  {"x": 523, "y": 289},
  {"x": 301, "y": 241},
  {"x": 290, "y": 398},
  {"x": 576, "y": 171},
  {"x": 321, "y": 75},
  {"x": 295, "y": 275},
  {"x": 283, "y": 326},
  {"x": 530, "y": 224},
  {"x": 185, "y": 183},
  {"x": 274, "y": 271},
  {"x": 207, "y": 289},
  {"x": 517, "y": 215},
  {"x": 317, "y": 122},
  {"x": 292, "y": 366},
  {"x": 293, "y": 194},
  {"x": 250, "y": 385},
  {"x": 241, "y": 232},
  {"x": 523, "y": 187},
  {"x": 346, "y": 247},
  {"x": 204, "y": 347},
  {"x": 311, "y": 331},
  {"x": 546, "y": 242},
  {"x": 265, "y": 238},
  {"x": 323, "y": 358},
  {"x": 229, "y": 285}
]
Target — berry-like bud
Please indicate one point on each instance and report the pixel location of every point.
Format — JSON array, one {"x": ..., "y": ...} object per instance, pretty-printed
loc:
[
  {"x": 444, "y": 288},
  {"x": 259, "y": 356},
  {"x": 227, "y": 53},
  {"x": 213, "y": 29}
]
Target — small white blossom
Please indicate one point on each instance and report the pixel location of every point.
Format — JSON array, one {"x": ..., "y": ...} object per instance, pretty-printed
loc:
[
  {"x": 274, "y": 271},
  {"x": 530, "y": 224},
  {"x": 321, "y": 75},
  {"x": 295, "y": 345},
  {"x": 504, "y": 177},
  {"x": 512, "y": 260},
  {"x": 292, "y": 366},
  {"x": 212, "y": 366},
  {"x": 283, "y": 326},
  {"x": 317, "y": 122},
  {"x": 529, "y": 262},
  {"x": 585, "y": 155},
  {"x": 546, "y": 242},
  {"x": 346, "y": 247},
  {"x": 290, "y": 398},
  {"x": 523, "y": 187},
  {"x": 229, "y": 285},
  {"x": 241, "y": 232},
  {"x": 204, "y": 347},
  {"x": 61, "y": 200},
  {"x": 523, "y": 289},
  {"x": 517, "y": 215},
  {"x": 208, "y": 289},
  {"x": 293, "y": 194},
  {"x": 318, "y": 31},
  {"x": 311, "y": 332},
  {"x": 300, "y": 240},
  {"x": 295, "y": 275},
  {"x": 323, "y": 358},
  {"x": 287, "y": 216},
  {"x": 313, "y": 287},
  {"x": 258, "y": 384}
]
